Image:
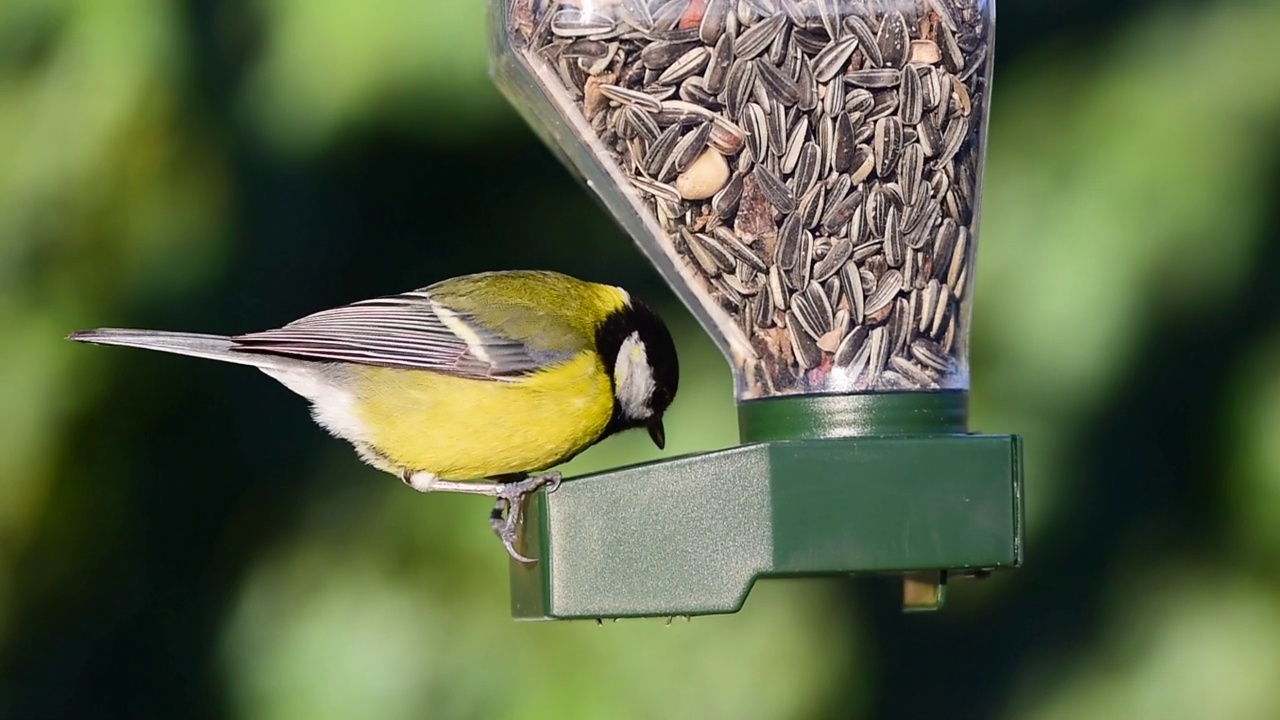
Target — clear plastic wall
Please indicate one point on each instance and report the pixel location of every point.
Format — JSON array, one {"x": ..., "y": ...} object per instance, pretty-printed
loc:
[{"x": 807, "y": 174}]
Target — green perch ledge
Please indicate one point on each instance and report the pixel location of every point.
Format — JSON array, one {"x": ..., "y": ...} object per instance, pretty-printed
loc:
[{"x": 824, "y": 485}]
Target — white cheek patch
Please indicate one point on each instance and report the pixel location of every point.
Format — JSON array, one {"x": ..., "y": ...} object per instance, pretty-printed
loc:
[{"x": 633, "y": 378}]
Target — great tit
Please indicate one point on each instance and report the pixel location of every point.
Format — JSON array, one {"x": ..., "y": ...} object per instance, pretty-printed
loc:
[{"x": 477, "y": 384}]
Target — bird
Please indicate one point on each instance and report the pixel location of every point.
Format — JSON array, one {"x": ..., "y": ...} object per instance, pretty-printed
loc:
[{"x": 477, "y": 384}]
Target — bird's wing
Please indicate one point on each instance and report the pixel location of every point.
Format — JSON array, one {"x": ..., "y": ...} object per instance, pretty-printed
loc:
[{"x": 412, "y": 330}]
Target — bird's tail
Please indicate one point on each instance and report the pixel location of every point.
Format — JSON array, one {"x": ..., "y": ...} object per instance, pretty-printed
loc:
[{"x": 210, "y": 347}]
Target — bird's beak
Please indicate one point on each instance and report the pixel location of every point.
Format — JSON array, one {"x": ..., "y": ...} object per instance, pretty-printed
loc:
[{"x": 657, "y": 432}]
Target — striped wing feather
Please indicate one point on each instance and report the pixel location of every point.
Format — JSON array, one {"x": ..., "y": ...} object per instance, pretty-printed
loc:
[{"x": 411, "y": 331}]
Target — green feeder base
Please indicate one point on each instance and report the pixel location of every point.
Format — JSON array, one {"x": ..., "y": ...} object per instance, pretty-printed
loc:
[{"x": 881, "y": 484}]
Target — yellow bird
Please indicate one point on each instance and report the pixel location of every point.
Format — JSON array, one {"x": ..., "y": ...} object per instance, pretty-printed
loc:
[{"x": 476, "y": 384}]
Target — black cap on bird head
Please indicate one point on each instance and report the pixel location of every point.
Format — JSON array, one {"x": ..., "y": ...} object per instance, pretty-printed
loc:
[{"x": 641, "y": 357}]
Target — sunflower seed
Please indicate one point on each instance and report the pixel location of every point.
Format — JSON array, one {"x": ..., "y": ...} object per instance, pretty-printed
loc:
[
  {"x": 859, "y": 100},
  {"x": 735, "y": 246},
  {"x": 940, "y": 313},
  {"x": 811, "y": 207},
  {"x": 833, "y": 98},
  {"x": 843, "y": 144},
  {"x": 792, "y": 154},
  {"x": 888, "y": 145},
  {"x": 806, "y": 315},
  {"x": 853, "y": 344},
  {"x": 911, "y": 172},
  {"x": 928, "y": 303},
  {"x": 775, "y": 190},
  {"x": 725, "y": 202},
  {"x": 834, "y": 260},
  {"x": 571, "y": 23},
  {"x": 810, "y": 42},
  {"x": 738, "y": 85},
  {"x": 893, "y": 244},
  {"x": 755, "y": 39},
  {"x": 914, "y": 374},
  {"x": 806, "y": 169},
  {"x": 764, "y": 310},
  {"x": 777, "y": 84},
  {"x": 952, "y": 55},
  {"x": 742, "y": 288},
  {"x": 799, "y": 276},
  {"x": 756, "y": 126},
  {"x": 838, "y": 214},
  {"x": 893, "y": 40},
  {"x": 866, "y": 39},
  {"x": 662, "y": 54},
  {"x": 690, "y": 147},
  {"x": 887, "y": 288},
  {"x": 863, "y": 162},
  {"x": 816, "y": 298},
  {"x": 833, "y": 58},
  {"x": 958, "y": 258},
  {"x": 874, "y": 78},
  {"x": 715, "y": 16},
  {"x": 777, "y": 127},
  {"x": 726, "y": 137},
  {"x": 718, "y": 63},
  {"x": 788, "y": 252},
  {"x": 930, "y": 354},
  {"x": 716, "y": 251},
  {"x": 806, "y": 350},
  {"x": 953, "y": 138},
  {"x": 877, "y": 210},
  {"x": 910, "y": 98},
  {"x": 898, "y": 326},
  {"x": 777, "y": 293},
  {"x": 807, "y": 86},
  {"x": 642, "y": 101},
  {"x": 851, "y": 280},
  {"x": 704, "y": 259},
  {"x": 728, "y": 292},
  {"x": 860, "y": 233},
  {"x": 878, "y": 341},
  {"x": 659, "y": 190},
  {"x": 687, "y": 65},
  {"x": 779, "y": 43}
]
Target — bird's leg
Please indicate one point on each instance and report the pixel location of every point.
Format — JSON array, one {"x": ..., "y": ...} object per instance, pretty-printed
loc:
[
  {"x": 427, "y": 482},
  {"x": 510, "y": 496}
]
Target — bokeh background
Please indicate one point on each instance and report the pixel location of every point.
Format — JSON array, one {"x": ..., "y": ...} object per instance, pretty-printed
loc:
[{"x": 178, "y": 540}]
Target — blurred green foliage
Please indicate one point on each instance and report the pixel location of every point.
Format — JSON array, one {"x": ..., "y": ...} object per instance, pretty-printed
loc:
[{"x": 177, "y": 539}]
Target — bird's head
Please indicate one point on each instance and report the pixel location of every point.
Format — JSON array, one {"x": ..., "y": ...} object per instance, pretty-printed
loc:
[{"x": 641, "y": 356}]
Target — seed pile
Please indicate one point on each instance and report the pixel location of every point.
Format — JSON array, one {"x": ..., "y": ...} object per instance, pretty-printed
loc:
[{"x": 814, "y": 164}]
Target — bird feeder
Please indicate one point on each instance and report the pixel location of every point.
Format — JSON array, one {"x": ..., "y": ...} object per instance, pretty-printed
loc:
[{"x": 807, "y": 176}]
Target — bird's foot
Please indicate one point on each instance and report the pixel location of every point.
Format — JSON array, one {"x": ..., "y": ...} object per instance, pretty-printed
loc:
[
  {"x": 505, "y": 527},
  {"x": 511, "y": 500}
]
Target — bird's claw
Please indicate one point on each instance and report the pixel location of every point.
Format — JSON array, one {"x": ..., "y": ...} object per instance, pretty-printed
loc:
[
  {"x": 505, "y": 529},
  {"x": 510, "y": 500}
]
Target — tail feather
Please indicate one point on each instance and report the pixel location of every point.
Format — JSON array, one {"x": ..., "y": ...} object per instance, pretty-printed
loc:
[{"x": 210, "y": 347}]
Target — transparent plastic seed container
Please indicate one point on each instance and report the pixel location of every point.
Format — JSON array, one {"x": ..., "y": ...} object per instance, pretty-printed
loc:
[{"x": 806, "y": 174}]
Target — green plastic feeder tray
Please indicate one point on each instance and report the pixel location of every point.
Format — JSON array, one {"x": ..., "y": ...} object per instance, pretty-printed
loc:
[{"x": 816, "y": 208}]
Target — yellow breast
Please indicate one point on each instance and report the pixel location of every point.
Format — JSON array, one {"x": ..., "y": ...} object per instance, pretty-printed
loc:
[{"x": 463, "y": 429}]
